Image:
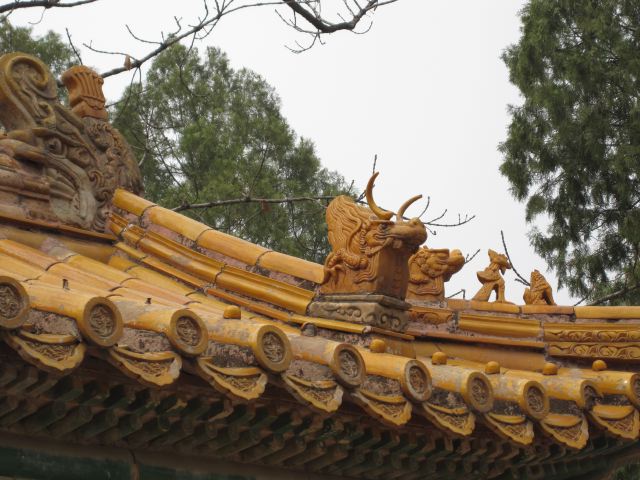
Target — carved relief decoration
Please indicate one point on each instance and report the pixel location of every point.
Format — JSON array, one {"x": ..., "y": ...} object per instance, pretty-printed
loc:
[
  {"x": 246, "y": 383},
  {"x": 432, "y": 316},
  {"x": 592, "y": 333},
  {"x": 151, "y": 368},
  {"x": 375, "y": 310},
  {"x": 188, "y": 331},
  {"x": 324, "y": 395},
  {"x": 429, "y": 269},
  {"x": 512, "y": 427},
  {"x": 630, "y": 351},
  {"x": 458, "y": 420},
  {"x": 54, "y": 353},
  {"x": 393, "y": 409},
  {"x": 540, "y": 292},
  {"x": 491, "y": 278},
  {"x": 10, "y": 301},
  {"x": 570, "y": 430},
  {"x": 59, "y": 165},
  {"x": 620, "y": 420},
  {"x": 370, "y": 252}
]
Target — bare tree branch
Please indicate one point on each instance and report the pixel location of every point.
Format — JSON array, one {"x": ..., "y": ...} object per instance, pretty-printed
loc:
[
  {"x": 461, "y": 291},
  {"x": 313, "y": 16},
  {"x": 520, "y": 278},
  {"x": 11, "y": 6},
  {"x": 73, "y": 47},
  {"x": 612, "y": 296},
  {"x": 468, "y": 258},
  {"x": 237, "y": 201}
]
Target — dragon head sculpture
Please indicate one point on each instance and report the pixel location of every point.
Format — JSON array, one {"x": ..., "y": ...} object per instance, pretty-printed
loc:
[
  {"x": 370, "y": 251},
  {"x": 59, "y": 164}
]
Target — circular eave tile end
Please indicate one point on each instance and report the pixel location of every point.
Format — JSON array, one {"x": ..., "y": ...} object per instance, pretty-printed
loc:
[
  {"x": 478, "y": 392},
  {"x": 535, "y": 401},
  {"x": 14, "y": 303},
  {"x": 101, "y": 322},
  {"x": 348, "y": 366},
  {"x": 188, "y": 332},
  {"x": 272, "y": 349},
  {"x": 416, "y": 381}
]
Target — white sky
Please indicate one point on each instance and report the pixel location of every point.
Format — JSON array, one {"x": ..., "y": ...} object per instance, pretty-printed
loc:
[{"x": 425, "y": 90}]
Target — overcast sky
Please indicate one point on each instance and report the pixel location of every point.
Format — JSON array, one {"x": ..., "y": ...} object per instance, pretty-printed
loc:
[{"x": 425, "y": 89}]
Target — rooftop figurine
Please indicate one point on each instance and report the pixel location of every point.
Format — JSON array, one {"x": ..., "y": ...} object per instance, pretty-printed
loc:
[
  {"x": 539, "y": 291},
  {"x": 429, "y": 269},
  {"x": 491, "y": 278}
]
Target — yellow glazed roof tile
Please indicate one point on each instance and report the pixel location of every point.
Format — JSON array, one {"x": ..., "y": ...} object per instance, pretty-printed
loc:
[
  {"x": 293, "y": 266},
  {"x": 131, "y": 203},
  {"x": 597, "y": 312},
  {"x": 26, "y": 254},
  {"x": 177, "y": 223},
  {"x": 231, "y": 246}
]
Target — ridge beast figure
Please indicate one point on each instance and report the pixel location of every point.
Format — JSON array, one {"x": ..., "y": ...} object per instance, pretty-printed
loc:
[
  {"x": 491, "y": 278},
  {"x": 370, "y": 251},
  {"x": 429, "y": 269}
]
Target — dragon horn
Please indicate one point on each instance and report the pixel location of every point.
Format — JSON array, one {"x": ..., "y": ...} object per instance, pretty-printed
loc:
[
  {"x": 380, "y": 213},
  {"x": 405, "y": 205}
]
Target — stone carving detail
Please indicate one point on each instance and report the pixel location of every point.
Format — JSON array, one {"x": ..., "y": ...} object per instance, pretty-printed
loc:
[
  {"x": 375, "y": 310},
  {"x": 595, "y": 350},
  {"x": 188, "y": 331},
  {"x": 480, "y": 391},
  {"x": 636, "y": 387},
  {"x": 52, "y": 352},
  {"x": 101, "y": 321},
  {"x": 393, "y": 409},
  {"x": 432, "y": 316},
  {"x": 491, "y": 278},
  {"x": 540, "y": 292},
  {"x": 55, "y": 351},
  {"x": 460, "y": 421},
  {"x": 153, "y": 368},
  {"x": 59, "y": 165},
  {"x": 246, "y": 383},
  {"x": 349, "y": 365},
  {"x": 622, "y": 421},
  {"x": 370, "y": 252},
  {"x": 535, "y": 400},
  {"x": 273, "y": 347},
  {"x": 325, "y": 395},
  {"x": 515, "y": 428},
  {"x": 429, "y": 269},
  {"x": 574, "y": 436},
  {"x": 417, "y": 380},
  {"x": 10, "y": 301},
  {"x": 595, "y": 335}
]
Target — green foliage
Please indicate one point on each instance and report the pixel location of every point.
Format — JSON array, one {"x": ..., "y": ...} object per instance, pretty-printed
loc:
[
  {"x": 573, "y": 147},
  {"x": 206, "y": 132},
  {"x": 628, "y": 472},
  {"x": 49, "y": 48}
]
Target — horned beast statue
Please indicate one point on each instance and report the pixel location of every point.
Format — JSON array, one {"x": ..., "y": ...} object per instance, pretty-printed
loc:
[{"x": 370, "y": 251}]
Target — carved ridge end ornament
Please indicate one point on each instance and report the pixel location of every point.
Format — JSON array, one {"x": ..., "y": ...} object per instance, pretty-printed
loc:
[
  {"x": 429, "y": 269},
  {"x": 370, "y": 252},
  {"x": 59, "y": 165},
  {"x": 491, "y": 278},
  {"x": 367, "y": 272}
]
